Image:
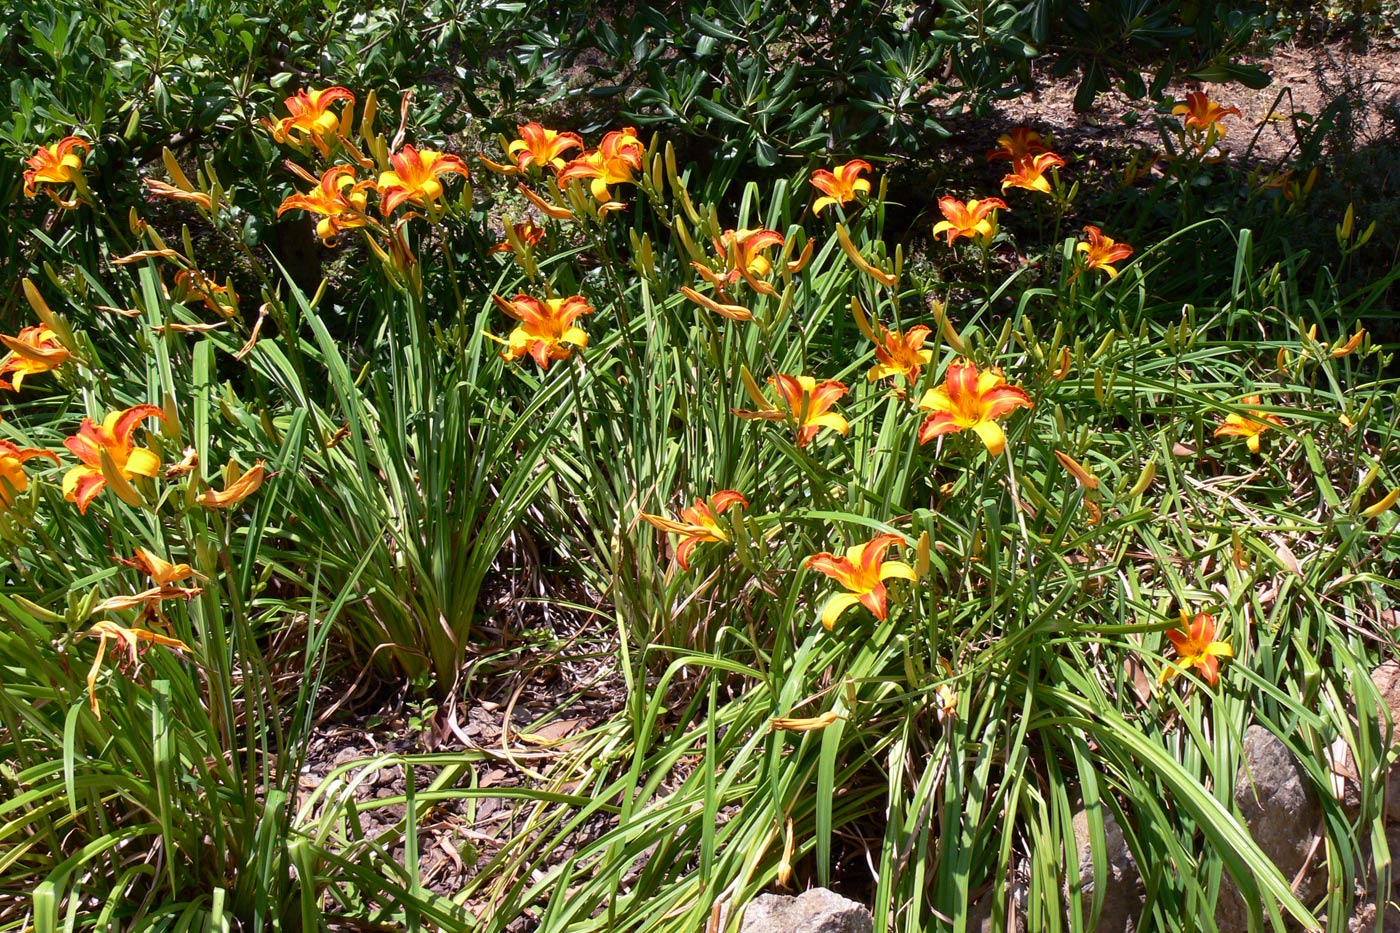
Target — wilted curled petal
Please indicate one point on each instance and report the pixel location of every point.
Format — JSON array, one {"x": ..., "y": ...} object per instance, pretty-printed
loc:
[
  {"x": 812, "y": 724},
  {"x": 238, "y": 486}
]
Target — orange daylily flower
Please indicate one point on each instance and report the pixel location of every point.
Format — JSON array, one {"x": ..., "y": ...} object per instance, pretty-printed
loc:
[
  {"x": 698, "y": 523},
  {"x": 863, "y": 571},
  {"x": 1196, "y": 647},
  {"x": 526, "y": 233},
  {"x": 33, "y": 350},
  {"x": 808, "y": 402},
  {"x": 59, "y": 164},
  {"x": 616, "y": 161},
  {"x": 1249, "y": 425},
  {"x": 238, "y": 486},
  {"x": 974, "y": 400},
  {"x": 82, "y": 483},
  {"x": 967, "y": 220},
  {"x": 900, "y": 353},
  {"x": 163, "y": 574},
  {"x": 1029, "y": 172},
  {"x": 1022, "y": 141},
  {"x": 1100, "y": 252},
  {"x": 311, "y": 118},
  {"x": 130, "y": 638},
  {"x": 542, "y": 147},
  {"x": 12, "y": 477},
  {"x": 841, "y": 185},
  {"x": 221, "y": 299},
  {"x": 743, "y": 252},
  {"x": 546, "y": 330},
  {"x": 414, "y": 178},
  {"x": 1203, "y": 114},
  {"x": 338, "y": 198}
]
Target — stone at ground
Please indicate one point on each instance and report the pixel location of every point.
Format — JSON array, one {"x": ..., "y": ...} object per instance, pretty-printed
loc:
[
  {"x": 814, "y": 911},
  {"x": 980, "y": 919},
  {"x": 1121, "y": 902},
  {"x": 1387, "y": 680}
]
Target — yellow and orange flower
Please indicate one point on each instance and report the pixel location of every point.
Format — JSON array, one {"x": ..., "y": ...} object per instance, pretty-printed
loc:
[
  {"x": 547, "y": 331},
  {"x": 59, "y": 164},
  {"x": 971, "y": 400},
  {"x": 1029, "y": 172},
  {"x": 112, "y": 437},
  {"x": 1204, "y": 115},
  {"x": 1100, "y": 252},
  {"x": 863, "y": 571},
  {"x": 1196, "y": 647},
  {"x": 542, "y": 147},
  {"x": 238, "y": 485},
  {"x": 414, "y": 178},
  {"x": 12, "y": 477},
  {"x": 1022, "y": 141},
  {"x": 969, "y": 220},
  {"x": 194, "y": 284},
  {"x": 311, "y": 118},
  {"x": 616, "y": 161},
  {"x": 901, "y": 353},
  {"x": 808, "y": 403},
  {"x": 134, "y": 640},
  {"x": 526, "y": 233},
  {"x": 744, "y": 255},
  {"x": 1249, "y": 425},
  {"x": 841, "y": 185},
  {"x": 338, "y": 198},
  {"x": 163, "y": 574},
  {"x": 698, "y": 524},
  {"x": 33, "y": 350}
]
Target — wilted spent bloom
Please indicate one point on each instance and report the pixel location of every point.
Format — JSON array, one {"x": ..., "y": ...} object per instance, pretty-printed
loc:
[
  {"x": 414, "y": 178},
  {"x": 547, "y": 331},
  {"x": 542, "y": 147},
  {"x": 1022, "y": 141},
  {"x": 1203, "y": 114},
  {"x": 1196, "y": 647},
  {"x": 33, "y": 350},
  {"x": 113, "y": 437},
  {"x": 238, "y": 485},
  {"x": 59, "y": 164},
  {"x": 698, "y": 524},
  {"x": 971, "y": 400},
  {"x": 160, "y": 189},
  {"x": 134, "y": 640},
  {"x": 840, "y": 185},
  {"x": 971, "y": 220},
  {"x": 163, "y": 574},
  {"x": 1100, "y": 252},
  {"x": 807, "y": 402},
  {"x": 311, "y": 119},
  {"x": 221, "y": 299},
  {"x": 526, "y": 233},
  {"x": 1249, "y": 425},
  {"x": 616, "y": 161},
  {"x": 12, "y": 476},
  {"x": 1029, "y": 172},
  {"x": 862, "y": 571},
  {"x": 338, "y": 198},
  {"x": 901, "y": 353}
]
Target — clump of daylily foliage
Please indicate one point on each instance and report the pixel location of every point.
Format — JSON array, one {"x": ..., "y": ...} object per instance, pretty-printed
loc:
[{"x": 881, "y": 582}]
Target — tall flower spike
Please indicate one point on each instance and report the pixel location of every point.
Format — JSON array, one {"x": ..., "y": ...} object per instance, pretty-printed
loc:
[
  {"x": 13, "y": 480},
  {"x": 338, "y": 198},
  {"x": 112, "y": 438},
  {"x": 840, "y": 186},
  {"x": 862, "y": 571},
  {"x": 414, "y": 178},
  {"x": 971, "y": 400},
  {"x": 1029, "y": 172},
  {"x": 1019, "y": 143},
  {"x": 311, "y": 118},
  {"x": 698, "y": 524},
  {"x": 542, "y": 147},
  {"x": 1100, "y": 252},
  {"x": 969, "y": 220},
  {"x": 1203, "y": 115},
  {"x": 1196, "y": 647},
  {"x": 59, "y": 164},
  {"x": 1249, "y": 425},
  {"x": 33, "y": 350},
  {"x": 547, "y": 331}
]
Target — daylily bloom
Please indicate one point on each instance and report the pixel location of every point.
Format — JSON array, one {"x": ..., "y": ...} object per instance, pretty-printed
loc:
[
  {"x": 12, "y": 477},
  {"x": 338, "y": 198},
  {"x": 808, "y": 402},
  {"x": 863, "y": 571},
  {"x": 1196, "y": 647},
  {"x": 900, "y": 353},
  {"x": 542, "y": 147},
  {"x": 1249, "y": 425},
  {"x": 131, "y": 639},
  {"x": 698, "y": 523},
  {"x": 238, "y": 486},
  {"x": 971, "y": 400},
  {"x": 414, "y": 178},
  {"x": 59, "y": 164},
  {"x": 1019, "y": 143},
  {"x": 1203, "y": 114},
  {"x": 969, "y": 220},
  {"x": 546, "y": 330},
  {"x": 163, "y": 574},
  {"x": 743, "y": 254},
  {"x": 840, "y": 186},
  {"x": 616, "y": 161},
  {"x": 221, "y": 299},
  {"x": 81, "y": 484},
  {"x": 33, "y": 350},
  {"x": 1100, "y": 252},
  {"x": 526, "y": 233},
  {"x": 1029, "y": 172},
  {"x": 311, "y": 118}
]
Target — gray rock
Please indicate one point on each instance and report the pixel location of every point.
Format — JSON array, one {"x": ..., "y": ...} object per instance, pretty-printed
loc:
[
  {"x": 1121, "y": 902},
  {"x": 980, "y": 919},
  {"x": 1387, "y": 681},
  {"x": 814, "y": 911}
]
